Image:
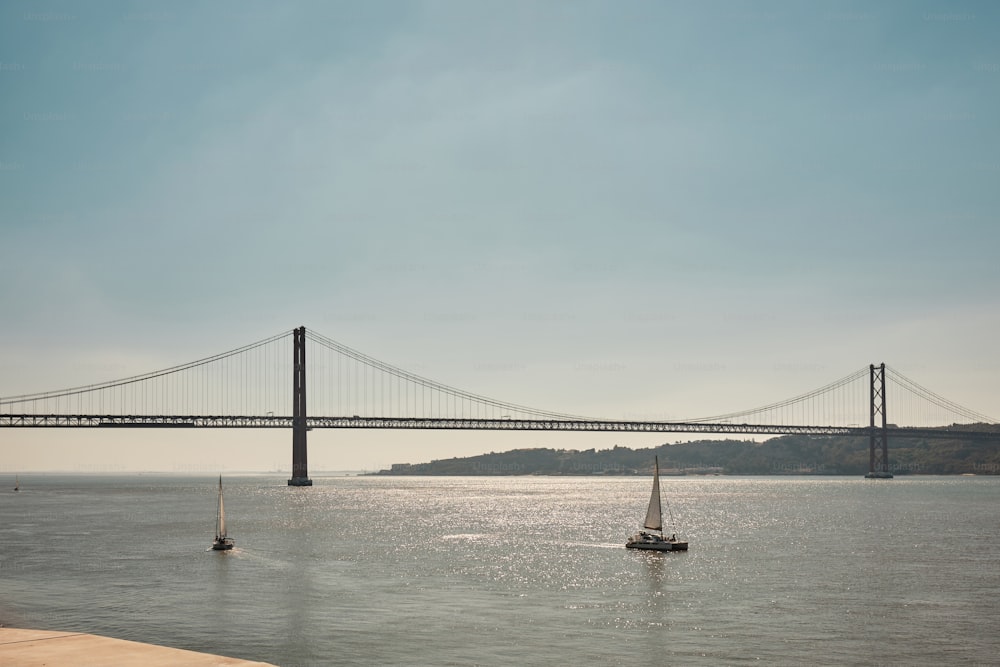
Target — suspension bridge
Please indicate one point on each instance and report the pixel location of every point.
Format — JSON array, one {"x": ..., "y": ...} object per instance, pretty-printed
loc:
[{"x": 264, "y": 385}]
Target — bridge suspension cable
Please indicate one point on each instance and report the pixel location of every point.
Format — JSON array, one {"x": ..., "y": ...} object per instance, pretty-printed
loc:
[
  {"x": 951, "y": 409},
  {"x": 456, "y": 402},
  {"x": 152, "y": 389},
  {"x": 777, "y": 413}
]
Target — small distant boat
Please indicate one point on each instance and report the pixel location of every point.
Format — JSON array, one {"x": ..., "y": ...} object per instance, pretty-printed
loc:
[
  {"x": 222, "y": 541},
  {"x": 17, "y": 483},
  {"x": 654, "y": 521}
]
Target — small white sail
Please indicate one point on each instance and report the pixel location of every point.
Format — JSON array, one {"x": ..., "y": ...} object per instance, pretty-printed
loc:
[
  {"x": 654, "y": 516},
  {"x": 220, "y": 528}
]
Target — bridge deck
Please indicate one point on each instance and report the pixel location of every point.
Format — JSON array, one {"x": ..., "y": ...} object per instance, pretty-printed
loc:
[{"x": 471, "y": 424}]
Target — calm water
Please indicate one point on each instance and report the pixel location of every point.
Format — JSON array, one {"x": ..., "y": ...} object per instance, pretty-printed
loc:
[{"x": 497, "y": 571}]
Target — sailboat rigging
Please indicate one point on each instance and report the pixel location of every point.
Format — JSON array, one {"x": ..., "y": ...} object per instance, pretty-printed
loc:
[
  {"x": 654, "y": 521},
  {"x": 222, "y": 541}
]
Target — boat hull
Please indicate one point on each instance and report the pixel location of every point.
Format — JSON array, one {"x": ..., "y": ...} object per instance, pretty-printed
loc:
[
  {"x": 223, "y": 544},
  {"x": 658, "y": 546},
  {"x": 650, "y": 542}
]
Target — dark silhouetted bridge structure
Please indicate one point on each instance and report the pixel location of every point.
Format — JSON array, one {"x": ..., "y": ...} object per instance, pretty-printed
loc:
[{"x": 249, "y": 388}]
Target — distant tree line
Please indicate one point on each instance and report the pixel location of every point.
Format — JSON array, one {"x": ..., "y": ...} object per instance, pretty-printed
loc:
[{"x": 790, "y": 454}]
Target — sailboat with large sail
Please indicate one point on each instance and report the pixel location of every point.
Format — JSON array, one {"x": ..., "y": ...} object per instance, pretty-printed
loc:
[
  {"x": 654, "y": 521},
  {"x": 222, "y": 541}
]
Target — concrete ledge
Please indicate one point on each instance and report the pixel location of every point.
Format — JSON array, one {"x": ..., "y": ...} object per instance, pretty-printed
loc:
[{"x": 35, "y": 648}]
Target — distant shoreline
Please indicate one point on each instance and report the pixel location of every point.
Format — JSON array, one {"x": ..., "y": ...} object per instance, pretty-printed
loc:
[{"x": 782, "y": 456}]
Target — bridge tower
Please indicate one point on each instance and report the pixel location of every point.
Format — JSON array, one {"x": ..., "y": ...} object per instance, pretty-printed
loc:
[
  {"x": 300, "y": 469},
  {"x": 878, "y": 443}
]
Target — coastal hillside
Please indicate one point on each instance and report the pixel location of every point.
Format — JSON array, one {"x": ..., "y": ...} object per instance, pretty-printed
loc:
[{"x": 788, "y": 455}]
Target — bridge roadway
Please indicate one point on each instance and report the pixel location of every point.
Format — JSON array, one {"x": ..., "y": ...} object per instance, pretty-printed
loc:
[{"x": 471, "y": 424}]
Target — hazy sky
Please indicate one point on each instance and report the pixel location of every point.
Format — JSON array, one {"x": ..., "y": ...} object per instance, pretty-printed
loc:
[{"x": 600, "y": 208}]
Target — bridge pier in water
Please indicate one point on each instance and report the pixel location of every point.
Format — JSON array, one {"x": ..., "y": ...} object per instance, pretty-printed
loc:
[
  {"x": 878, "y": 436},
  {"x": 300, "y": 467}
]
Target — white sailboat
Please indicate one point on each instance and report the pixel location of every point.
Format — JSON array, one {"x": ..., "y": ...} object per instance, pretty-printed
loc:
[
  {"x": 654, "y": 521},
  {"x": 222, "y": 541}
]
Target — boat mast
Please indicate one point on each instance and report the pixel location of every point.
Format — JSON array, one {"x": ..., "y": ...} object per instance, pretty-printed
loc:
[
  {"x": 219, "y": 521},
  {"x": 659, "y": 503}
]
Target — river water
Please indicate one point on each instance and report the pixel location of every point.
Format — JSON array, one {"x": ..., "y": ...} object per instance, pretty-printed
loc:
[{"x": 513, "y": 570}]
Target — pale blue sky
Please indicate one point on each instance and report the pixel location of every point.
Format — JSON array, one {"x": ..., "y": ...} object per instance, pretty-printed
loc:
[{"x": 723, "y": 204}]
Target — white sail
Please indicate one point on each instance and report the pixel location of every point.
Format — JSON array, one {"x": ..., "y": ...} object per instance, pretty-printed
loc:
[
  {"x": 654, "y": 516},
  {"x": 220, "y": 528}
]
